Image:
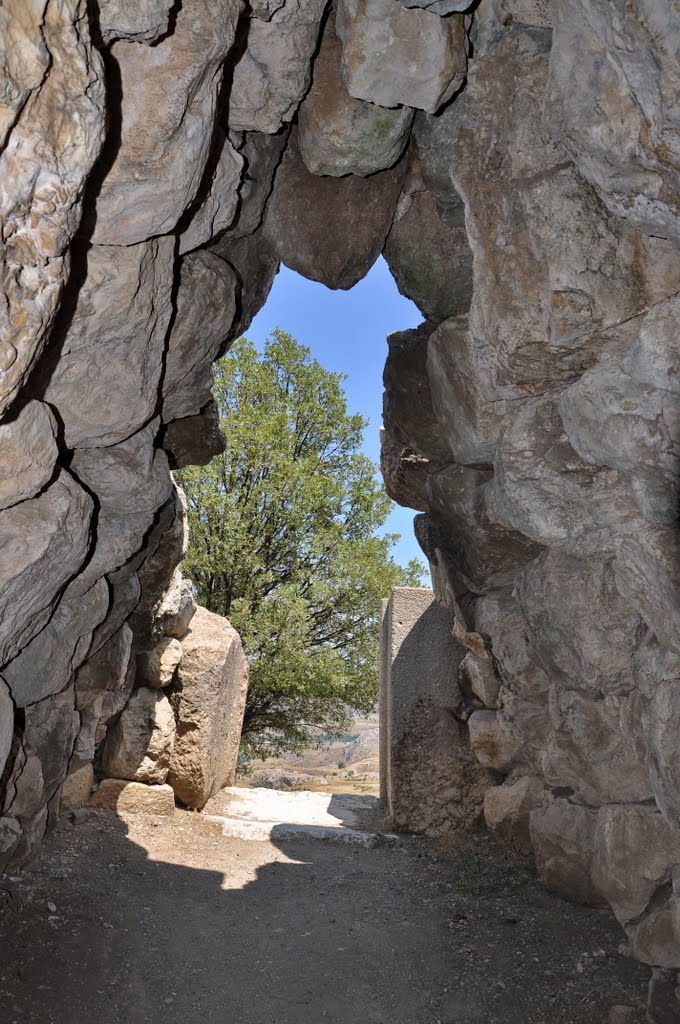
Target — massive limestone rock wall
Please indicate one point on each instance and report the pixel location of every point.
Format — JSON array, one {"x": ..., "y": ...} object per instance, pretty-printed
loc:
[{"x": 518, "y": 165}]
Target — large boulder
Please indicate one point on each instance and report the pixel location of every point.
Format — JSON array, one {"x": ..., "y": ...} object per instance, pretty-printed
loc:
[
  {"x": 273, "y": 73},
  {"x": 339, "y": 248},
  {"x": 340, "y": 134},
  {"x": 393, "y": 56},
  {"x": 209, "y": 701},
  {"x": 139, "y": 746}
]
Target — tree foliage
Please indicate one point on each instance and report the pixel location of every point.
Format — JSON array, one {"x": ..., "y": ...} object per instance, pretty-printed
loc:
[{"x": 285, "y": 541}]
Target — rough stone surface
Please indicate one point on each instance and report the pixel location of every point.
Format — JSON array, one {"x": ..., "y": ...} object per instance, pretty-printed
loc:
[
  {"x": 273, "y": 74},
  {"x": 132, "y": 798},
  {"x": 339, "y": 134},
  {"x": 439, "y": 6},
  {"x": 393, "y": 56},
  {"x": 117, "y": 333},
  {"x": 339, "y": 250},
  {"x": 76, "y": 789},
  {"x": 212, "y": 214},
  {"x": 563, "y": 836},
  {"x": 507, "y": 811},
  {"x": 142, "y": 22},
  {"x": 52, "y": 102},
  {"x": 139, "y": 746},
  {"x": 177, "y": 607},
  {"x": 618, "y": 118},
  {"x": 209, "y": 701},
  {"x": 43, "y": 543},
  {"x": 206, "y": 307},
  {"x": 29, "y": 453},
  {"x": 46, "y": 665},
  {"x": 194, "y": 440},
  {"x": 430, "y": 259},
  {"x": 156, "y": 668},
  {"x": 430, "y": 780},
  {"x": 166, "y": 131},
  {"x": 477, "y": 677},
  {"x": 492, "y": 743},
  {"x": 6, "y": 723}
]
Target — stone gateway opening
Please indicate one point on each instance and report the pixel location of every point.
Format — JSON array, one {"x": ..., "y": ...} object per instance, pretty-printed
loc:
[{"x": 517, "y": 163}]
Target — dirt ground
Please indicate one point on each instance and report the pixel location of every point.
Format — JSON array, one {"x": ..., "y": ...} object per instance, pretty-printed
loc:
[{"x": 169, "y": 922}]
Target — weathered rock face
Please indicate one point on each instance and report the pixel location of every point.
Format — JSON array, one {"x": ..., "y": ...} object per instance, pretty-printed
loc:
[
  {"x": 166, "y": 128},
  {"x": 149, "y": 188}
]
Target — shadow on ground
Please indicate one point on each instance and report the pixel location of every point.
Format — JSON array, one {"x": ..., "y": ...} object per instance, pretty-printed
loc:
[{"x": 169, "y": 922}]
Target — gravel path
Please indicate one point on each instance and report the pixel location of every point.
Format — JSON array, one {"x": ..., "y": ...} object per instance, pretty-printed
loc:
[{"x": 170, "y": 922}]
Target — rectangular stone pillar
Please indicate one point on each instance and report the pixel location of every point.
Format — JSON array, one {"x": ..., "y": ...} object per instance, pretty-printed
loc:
[{"x": 429, "y": 780}]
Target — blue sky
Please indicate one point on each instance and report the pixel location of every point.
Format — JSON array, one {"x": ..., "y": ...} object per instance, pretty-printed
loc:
[{"x": 347, "y": 331}]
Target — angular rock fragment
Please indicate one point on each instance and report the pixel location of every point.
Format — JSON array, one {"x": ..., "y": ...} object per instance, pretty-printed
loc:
[
  {"x": 408, "y": 412},
  {"x": 194, "y": 440},
  {"x": 468, "y": 420},
  {"x": 76, "y": 789},
  {"x": 597, "y": 747},
  {"x": 478, "y": 678},
  {"x": 430, "y": 259},
  {"x": 635, "y": 851},
  {"x": 393, "y": 56},
  {"x": 45, "y": 747},
  {"x": 507, "y": 810},
  {"x": 261, "y": 154},
  {"x": 273, "y": 74},
  {"x": 131, "y": 481},
  {"x": 102, "y": 688},
  {"x": 47, "y": 663},
  {"x": 215, "y": 211},
  {"x": 562, "y": 837},
  {"x": 492, "y": 743},
  {"x": 342, "y": 135},
  {"x": 177, "y": 607},
  {"x": 256, "y": 264},
  {"x": 404, "y": 472},
  {"x": 654, "y": 937}
]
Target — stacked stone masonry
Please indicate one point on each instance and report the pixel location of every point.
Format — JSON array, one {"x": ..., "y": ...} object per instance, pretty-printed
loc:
[{"x": 518, "y": 164}]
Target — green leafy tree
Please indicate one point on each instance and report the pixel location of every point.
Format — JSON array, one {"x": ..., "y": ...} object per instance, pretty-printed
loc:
[{"x": 285, "y": 541}]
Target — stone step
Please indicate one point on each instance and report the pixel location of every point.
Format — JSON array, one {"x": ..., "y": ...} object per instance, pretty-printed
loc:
[{"x": 273, "y": 831}]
